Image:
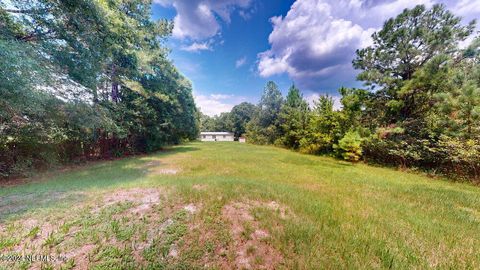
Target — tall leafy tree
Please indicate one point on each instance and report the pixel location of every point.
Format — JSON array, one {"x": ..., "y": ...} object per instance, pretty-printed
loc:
[
  {"x": 264, "y": 127},
  {"x": 459, "y": 100},
  {"x": 87, "y": 79},
  {"x": 323, "y": 127},
  {"x": 354, "y": 104},
  {"x": 240, "y": 115},
  {"x": 402, "y": 46},
  {"x": 207, "y": 123},
  {"x": 293, "y": 118}
]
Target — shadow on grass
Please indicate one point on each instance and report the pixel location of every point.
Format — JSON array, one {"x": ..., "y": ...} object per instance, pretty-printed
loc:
[{"x": 69, "y": 187}]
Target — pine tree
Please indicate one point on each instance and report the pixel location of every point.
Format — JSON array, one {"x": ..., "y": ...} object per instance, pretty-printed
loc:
[
  {"x": 264, "y": 127},
  {"x": 293, "y": 118}
]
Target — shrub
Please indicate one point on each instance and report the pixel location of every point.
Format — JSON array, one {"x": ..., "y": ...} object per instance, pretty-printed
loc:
[
  {"x": 350, "y": 146},
  {"x": 461, "y": 157}
]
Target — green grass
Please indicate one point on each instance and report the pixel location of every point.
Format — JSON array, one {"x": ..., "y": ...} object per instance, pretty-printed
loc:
[{"x": 331, "y": 214}]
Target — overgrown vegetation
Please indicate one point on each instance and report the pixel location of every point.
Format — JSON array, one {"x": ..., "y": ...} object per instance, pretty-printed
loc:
[
  {"x": 420, "y": 107},
  {"x": 277, "y": 209},
  {"x": 85, "y": 80}
]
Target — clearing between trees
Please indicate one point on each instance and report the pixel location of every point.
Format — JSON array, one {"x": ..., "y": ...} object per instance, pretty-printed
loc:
[{"x": 239, "y": 206}]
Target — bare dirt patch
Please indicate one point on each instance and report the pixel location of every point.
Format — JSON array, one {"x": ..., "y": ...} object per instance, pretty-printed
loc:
[
  {"x": 190, "y": 208},
  {"x": 156, "y": 229},
  {"x": 81, "y": 256},
  {"x": 199, "y": 187},
  {"x": 38, "y": 233},
  {"x": 144, "y": 198},
  {"x": 29, "y": 223},
  {"x": 252, "y": 251},
  {"x": 282, "y": 210}
]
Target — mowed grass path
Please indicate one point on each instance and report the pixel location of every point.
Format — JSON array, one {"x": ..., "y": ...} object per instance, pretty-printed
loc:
[{"x": 231, "y": 205}]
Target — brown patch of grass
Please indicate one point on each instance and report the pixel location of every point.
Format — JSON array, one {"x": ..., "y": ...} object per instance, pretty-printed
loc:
[
  {"x": 81, "y": 256},
  {"x": 144, "y": 198},
  {"x": 282, "y": 210},
  {"x": 251, "y": 249},
  {"x": 34, "y": 241},
  {"x": 199, "y": 187},
  {"x": 190, "y": 208}
]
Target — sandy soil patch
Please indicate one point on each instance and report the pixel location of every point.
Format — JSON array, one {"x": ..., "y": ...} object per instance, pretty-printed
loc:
[
  {"x": 143, "y": 198},
  {"x": 282, "y": 210},
  {"x": 81, "y": 256},
  {"x": 251, "y": 249},
  {"x": 190, "y": 208},
  {"x": 200, "y": 187}
]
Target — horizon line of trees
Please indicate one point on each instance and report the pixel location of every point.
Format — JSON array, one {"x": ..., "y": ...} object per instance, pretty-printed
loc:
[
  {"x": 420, "y": 107},
  {"x": 84, "y": 80}
]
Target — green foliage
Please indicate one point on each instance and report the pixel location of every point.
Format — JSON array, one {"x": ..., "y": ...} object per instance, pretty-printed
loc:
[
  {"x": 72, "y": 92},
  {"x": 264, "y": 128},
  {"x": 405, "y": 44},
  {"x": 459, "y": 104},
  {"x": 422, "y": 111},
  {"x": 354, "y": 103},
  {"x": 234, "y": 121},
  {"x": 323, "y": 127},
  {"x": 293, "y": 118},
  {"x": 461, "y": 156},
  {"x": 349, "y": 147},
  {"x": 85, "y": 80},
  {"x": 240, "y": 115}
]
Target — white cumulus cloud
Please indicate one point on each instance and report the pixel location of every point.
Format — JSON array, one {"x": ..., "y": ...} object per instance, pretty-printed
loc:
[
  {"x": 315, "y": 42},
  {"x": 215, "y": 104},
  {"x": 199, "y": 19}
]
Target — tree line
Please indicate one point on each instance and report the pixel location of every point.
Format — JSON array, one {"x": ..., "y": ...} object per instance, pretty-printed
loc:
[
  {"x": 85, "y": 80},
  {"x": 420, "y": 107}
]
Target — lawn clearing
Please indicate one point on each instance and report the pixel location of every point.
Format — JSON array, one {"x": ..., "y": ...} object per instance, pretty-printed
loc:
[{"x": 234, "y": 206}]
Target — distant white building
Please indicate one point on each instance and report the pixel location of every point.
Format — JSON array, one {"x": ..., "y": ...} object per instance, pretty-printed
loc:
[{"x": 216, "y": 136}]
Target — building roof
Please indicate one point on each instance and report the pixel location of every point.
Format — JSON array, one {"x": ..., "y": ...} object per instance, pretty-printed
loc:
[{"x": 216, "y": 133}]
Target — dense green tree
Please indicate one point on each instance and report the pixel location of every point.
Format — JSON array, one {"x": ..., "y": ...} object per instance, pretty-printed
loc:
[
  {"x": 264, "y": 127},
  {"x": 207, "y": 123},
  {"x": 401, "y": 47},
  {"x": 293, "y": 117},
  {"x": 422, "y": 108},
  {"x": 324, "y": 127},
  {"x": 223, "y": 122},
  {"x": 459, "y": 101},
  {"x": 350, "y": 146},
  {"x": 354, "y": 103},
  {"x": 240, "y": 115},
  {"x": 87, "y": 79}
]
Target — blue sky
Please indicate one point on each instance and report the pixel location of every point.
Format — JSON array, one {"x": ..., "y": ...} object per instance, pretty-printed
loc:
[{"x": 229, "y": 49}]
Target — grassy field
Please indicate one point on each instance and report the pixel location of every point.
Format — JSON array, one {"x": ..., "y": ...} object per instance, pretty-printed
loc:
[{"x": 238, "y": 206}]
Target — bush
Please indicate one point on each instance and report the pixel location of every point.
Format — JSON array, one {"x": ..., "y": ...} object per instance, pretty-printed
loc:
[
  {"x": 460, "y": 157},
  {"x": 350, "y": 146}
]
